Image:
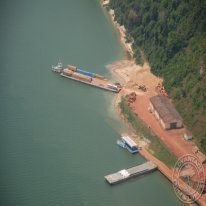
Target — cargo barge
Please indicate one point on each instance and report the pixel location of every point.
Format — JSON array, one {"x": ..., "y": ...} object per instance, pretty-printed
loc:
[{"x": 89, "y": 78}]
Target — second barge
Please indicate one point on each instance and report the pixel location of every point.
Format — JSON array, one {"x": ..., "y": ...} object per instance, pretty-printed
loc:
[{"x": 72, "y": 72}]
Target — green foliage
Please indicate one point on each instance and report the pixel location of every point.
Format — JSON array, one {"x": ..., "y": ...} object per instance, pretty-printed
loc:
[
  {"x": 203, "y": 143},
  {"x": 172, "y": 35},
  {"x": 157, "y": 146}
]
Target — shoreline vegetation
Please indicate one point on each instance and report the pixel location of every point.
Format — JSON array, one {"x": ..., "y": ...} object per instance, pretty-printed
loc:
[
  {"x": 142, "y": 134},
  {"x": 171, "y": 36},
  {"x": 153, "y": 146}
]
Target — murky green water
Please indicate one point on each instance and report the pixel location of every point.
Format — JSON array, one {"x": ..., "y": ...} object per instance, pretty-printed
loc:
[{"x": 58, "y": 137}]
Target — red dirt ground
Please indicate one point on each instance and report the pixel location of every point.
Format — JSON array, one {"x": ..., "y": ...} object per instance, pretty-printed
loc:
[
  {"x": 173, "y": 139},
  {"x": 132, "y": 76},
  {"x": 167, "y": 172}
]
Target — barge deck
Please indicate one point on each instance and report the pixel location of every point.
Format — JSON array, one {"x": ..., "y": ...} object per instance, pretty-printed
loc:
[{"x": 94, "y": 83}]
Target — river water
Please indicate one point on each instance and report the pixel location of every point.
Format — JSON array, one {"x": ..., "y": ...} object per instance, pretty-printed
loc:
[{"x": 58, "y": 137}]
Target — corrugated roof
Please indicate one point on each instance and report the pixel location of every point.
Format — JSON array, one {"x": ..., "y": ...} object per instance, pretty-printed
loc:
[
  {"x": 165, "y": 109},
  {"x": 129, "y": 141}
]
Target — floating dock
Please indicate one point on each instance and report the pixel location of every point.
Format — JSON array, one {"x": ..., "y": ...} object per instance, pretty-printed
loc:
[{"x": 131, "y": 172}]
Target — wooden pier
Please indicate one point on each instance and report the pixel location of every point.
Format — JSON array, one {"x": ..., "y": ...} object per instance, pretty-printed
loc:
[{"x": 131, "y": 172}]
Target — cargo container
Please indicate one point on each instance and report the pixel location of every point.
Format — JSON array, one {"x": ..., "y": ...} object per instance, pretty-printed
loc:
[
  {"x": 90, "y": 74},
  {"x": 81, "y": 77},
  {"x": 67, "y": 72},
  {"x": 73, "y": 68}
]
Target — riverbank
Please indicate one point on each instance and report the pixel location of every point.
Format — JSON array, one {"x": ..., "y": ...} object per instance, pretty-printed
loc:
[
  {"x": 121, "y": 29},
  {"x": 132, "y": 76}
]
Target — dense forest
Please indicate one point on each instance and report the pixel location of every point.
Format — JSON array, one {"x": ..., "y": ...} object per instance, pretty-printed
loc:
[{"x": 171, "y": 36}]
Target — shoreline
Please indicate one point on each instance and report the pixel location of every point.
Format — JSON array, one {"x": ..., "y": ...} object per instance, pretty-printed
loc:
[
  {"x": 121, "y": 29},
  {"x": 126, "y": 70},
  {"x": 120, "y": 69}
]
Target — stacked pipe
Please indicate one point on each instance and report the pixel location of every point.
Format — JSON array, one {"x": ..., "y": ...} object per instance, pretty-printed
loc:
[
  {"x": 67, "y": 72},
  {"x": 72, "y": 68},
  {"x": 99, "y": 76},
  {"x": 81, "y": 77}
]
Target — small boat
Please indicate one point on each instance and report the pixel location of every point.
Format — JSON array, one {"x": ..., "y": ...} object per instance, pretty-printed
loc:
[
  {"x": 121, "y": 143},
  {"x": 128, "y": 143},
  {"x": 58, "y": 68}
]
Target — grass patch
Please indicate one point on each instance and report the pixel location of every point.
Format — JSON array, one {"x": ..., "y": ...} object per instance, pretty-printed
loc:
[{"x": 141, "y": 129}]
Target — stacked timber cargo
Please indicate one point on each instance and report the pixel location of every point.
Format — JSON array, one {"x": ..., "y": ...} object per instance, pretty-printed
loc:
[
  {"x": 72, "y": 68},
  {"x": 99, "y": 76},
  {"x": 81, "y": 77},
  {"x": 67, "y": 72},
  {"x": 76, "y": 75}
]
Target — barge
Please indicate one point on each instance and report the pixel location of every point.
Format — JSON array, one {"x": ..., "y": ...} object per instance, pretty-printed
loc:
[
  {"x": 130, "y": 172},
  {"x": 89, "y": 78}
]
